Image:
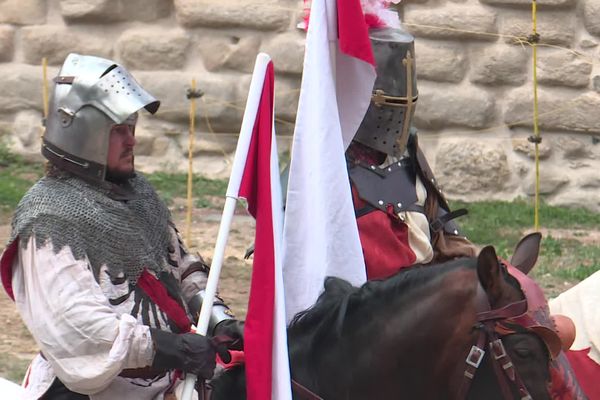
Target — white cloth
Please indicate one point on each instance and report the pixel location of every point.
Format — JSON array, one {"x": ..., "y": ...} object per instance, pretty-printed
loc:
[
  {"x": 85, "y": 340},
  {"x": 320, "y": 232},
  {"x": 580, "y": 303},
  {"x": 11, "y": 390},
  {"x": 419, "y": 237}
]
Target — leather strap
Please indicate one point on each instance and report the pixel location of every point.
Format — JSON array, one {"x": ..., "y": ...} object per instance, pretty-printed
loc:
[
  {"x": 503, "y": 367},
  {"x": 143, "y": 373},
  {"x": 438, "y": 224}
]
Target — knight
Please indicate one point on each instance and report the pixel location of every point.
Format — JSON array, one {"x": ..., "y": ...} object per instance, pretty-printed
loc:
[
  {"x": 403, "y": 218},
  {"x": 95, "y": 265}
]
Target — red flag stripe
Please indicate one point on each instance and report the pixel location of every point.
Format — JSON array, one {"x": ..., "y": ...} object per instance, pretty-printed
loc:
[
  {"x": 256, "y": 188},
  {"x": 353, "y": 31}
]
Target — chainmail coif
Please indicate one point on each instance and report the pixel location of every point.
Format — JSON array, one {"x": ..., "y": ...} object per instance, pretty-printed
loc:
[{"x": 127, "y": 236}]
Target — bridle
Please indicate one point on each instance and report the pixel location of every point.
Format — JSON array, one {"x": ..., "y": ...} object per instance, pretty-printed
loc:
[{"x": 504, "y": 369}]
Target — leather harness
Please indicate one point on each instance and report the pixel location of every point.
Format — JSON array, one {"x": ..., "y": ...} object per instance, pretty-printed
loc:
[
  {"x": 504, "y": 369},
  {"x": 502, "y": 364}
]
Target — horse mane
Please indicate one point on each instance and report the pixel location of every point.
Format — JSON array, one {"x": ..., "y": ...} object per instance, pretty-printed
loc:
[
  {"x": 339, "y": 298},
  {"x": 230, "y": 384}
]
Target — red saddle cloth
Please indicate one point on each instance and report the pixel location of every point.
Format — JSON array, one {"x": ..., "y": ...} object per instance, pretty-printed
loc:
[{"x": 587, "y": 372}]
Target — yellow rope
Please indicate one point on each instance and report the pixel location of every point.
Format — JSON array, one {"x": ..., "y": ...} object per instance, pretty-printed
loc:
[
  {"x": 188, "y": 215},
  {"x": 536, "y": 131}
]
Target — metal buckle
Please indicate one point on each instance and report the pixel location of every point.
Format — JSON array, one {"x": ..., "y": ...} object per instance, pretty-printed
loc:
[
  {"x": 475, "y": 356},
  {"x": 498, "y": 348}
]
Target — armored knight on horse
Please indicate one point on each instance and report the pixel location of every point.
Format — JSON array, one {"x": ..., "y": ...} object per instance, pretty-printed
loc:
[{"x": 403, "y": 218}]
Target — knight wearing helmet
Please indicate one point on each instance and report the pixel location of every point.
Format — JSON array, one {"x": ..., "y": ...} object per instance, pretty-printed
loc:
[
  {"x": 95, "y": 265},
  {"x": 403, "y": 218}
]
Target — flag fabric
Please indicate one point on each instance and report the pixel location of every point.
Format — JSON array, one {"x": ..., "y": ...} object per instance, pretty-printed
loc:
[
  {"x": 265, "y": 341},
  {"x": 320, "y": 232}
]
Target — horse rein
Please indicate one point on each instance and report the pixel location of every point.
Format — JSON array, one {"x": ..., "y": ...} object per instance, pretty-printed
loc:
[{"x": 503, "y": 366}]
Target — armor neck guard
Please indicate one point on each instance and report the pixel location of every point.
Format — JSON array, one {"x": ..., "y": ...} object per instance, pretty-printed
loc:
[{"x": 126, "y": 233}]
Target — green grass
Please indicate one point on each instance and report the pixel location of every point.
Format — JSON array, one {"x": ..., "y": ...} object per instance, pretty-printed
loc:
[
  {"x": 16, "y": 176},
  {"x": 13, "y": 368},
  {"x": 204, "y": 190},
  {"x": 503, "y": 224}
]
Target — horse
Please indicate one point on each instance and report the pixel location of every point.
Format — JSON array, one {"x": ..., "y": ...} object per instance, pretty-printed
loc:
[{"x": 447, "y": 331}]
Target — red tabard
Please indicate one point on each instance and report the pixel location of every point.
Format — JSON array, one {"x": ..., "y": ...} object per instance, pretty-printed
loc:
[{"x": 384, "y": 241}]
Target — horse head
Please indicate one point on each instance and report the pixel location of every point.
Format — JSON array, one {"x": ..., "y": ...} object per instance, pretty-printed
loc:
[{"x": 515, "y": 323}]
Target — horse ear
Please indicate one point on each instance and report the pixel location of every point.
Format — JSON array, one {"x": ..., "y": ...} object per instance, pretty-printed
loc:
[
  {"x": 488, "y": 271},
  {"x": 526, "y": 252}
]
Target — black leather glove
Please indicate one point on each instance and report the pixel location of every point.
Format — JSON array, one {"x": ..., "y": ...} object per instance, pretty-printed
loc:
[
  {"x": 233, "y": 329},
  {"x": 188, "y": 352}
]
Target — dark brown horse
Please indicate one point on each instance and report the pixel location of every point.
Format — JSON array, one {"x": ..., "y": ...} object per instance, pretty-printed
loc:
[{"x": 419, "y": 335}]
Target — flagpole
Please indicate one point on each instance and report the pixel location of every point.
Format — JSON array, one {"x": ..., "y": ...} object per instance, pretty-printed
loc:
[{"x": 239, "y": 162}]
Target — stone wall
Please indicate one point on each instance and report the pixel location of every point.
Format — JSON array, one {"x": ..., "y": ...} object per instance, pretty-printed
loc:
[{"x": 474, "y": 66}]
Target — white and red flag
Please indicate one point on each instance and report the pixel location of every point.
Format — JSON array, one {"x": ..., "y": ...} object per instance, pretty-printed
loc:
[
  {"x": 255, "y": 177},
  {"x": 265, "y": 340},
  {"x": 320, "y": 233}
]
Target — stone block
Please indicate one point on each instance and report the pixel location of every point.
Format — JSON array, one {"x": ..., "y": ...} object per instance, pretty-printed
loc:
[
  {"x": 242, "y": 55},
  {"x": 572, "y": 147},
  {"x": 559, "y": 110},
  {"x": 287, "y": 94},
  {"x": 267, "y": 15},
  {"x": 160, "y": 146},
  {"x": 219, "y": 51},
  {"x": 470, "y": 166},
  {"x": 23, "y": 12},
  {"x": 20, "y": 87},
  {"x": 7, "y": 45},
  {"x": 527, "y": 3},
  {"x": 144, "y": 142},
  {"x": 554, "y": 27},
  {"x": 108, "y": 11},
  {"x": 563, "y": 68},
  {"x": 586, "y": 198},
  {"x": 440, "y": 107},
  {"x": 591, "y": 16},
  {"x": 153, "y": 49},
  {"x": 524, "y": 146},
  {"x": 287, "y": 52},
  {"x": 452, "y": 21},
  {"x": 56, "y": 42},
  {"x": 27, "y": 127},
  {"x": 551, "y": 180},
  {"x": 208, "y": 143},
  {"x": 218, "y": 103},
  {"x": 588, "y": 44},
  {"x": 500, "y": 65},
  {"x": 440, "y": 61},
  {"x": 589, "y": 180},
  {"x": 596, "y": 83}
]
